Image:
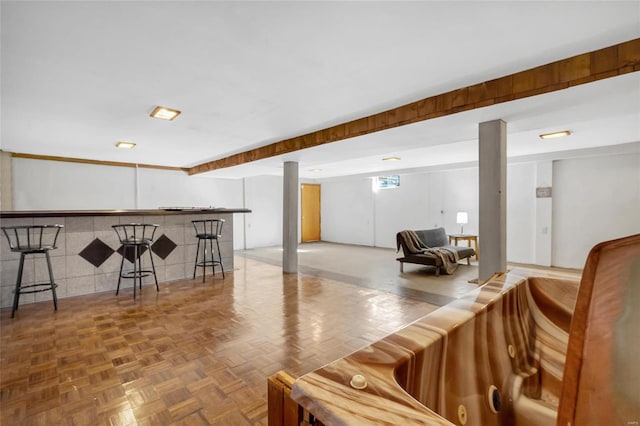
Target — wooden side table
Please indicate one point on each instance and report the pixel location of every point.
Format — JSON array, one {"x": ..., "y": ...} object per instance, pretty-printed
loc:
[{"x": 468, "y": 239}]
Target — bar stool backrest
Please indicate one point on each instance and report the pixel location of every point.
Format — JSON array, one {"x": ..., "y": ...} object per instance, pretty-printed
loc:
[
  {"x": 208, "y": 228},
  {"x": 32, "y": 238},
  {"x": 135, "y": 233}
]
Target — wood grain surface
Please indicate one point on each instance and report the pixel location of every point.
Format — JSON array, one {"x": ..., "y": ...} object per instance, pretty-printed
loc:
[
  {"x": 500, "y": 335},
  {"x": 555, "y": 352},
  {"x": 193, "y": 354}
]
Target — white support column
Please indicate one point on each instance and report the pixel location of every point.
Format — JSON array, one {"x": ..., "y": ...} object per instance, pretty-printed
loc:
[
  {"x": 290, "y": 218},
  {"x": 492, "y": 161}
]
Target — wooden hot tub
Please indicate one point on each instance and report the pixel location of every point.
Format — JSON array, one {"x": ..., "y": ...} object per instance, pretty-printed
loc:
[{"x": 517, "y": 351}]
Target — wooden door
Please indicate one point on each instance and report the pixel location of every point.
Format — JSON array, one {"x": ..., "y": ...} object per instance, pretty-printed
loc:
[{"x": 310, "y": 220}]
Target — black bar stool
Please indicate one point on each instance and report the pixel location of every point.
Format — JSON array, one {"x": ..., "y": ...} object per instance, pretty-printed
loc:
[
  {"x": 33, "y": 239},
  {"x": 208, "y": 230},
  {"x": 137, "y": 237}
]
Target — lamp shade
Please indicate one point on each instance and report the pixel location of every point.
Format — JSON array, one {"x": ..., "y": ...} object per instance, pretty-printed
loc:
[{"x": 462, "y": 218}]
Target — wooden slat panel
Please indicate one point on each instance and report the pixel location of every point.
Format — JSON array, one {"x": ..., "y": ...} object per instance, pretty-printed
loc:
[
  {"x": 275, "y": 397},
  {"x": 292, "y": 411},
  {"x": 604, "y": 60},
  {"x": 95, "y": 162},
  {"x": 283, "y": 411},
  {"x": 581, "y": 69},
  {"x": 286, "y": 411},
  {"x": 629, "y": 53}
]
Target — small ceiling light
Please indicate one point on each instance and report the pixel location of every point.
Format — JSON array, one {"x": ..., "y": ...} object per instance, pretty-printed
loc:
[
  {"x": 315, "y": 170},
  {"x": 555, "y": 134},
  {"x": 164, "y": 113},
  {"x": 125, "y": 145},
  {"x": 391, "y": 159}
]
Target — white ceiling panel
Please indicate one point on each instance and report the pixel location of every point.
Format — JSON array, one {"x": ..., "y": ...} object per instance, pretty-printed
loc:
[{"x": 76, "y": 77}]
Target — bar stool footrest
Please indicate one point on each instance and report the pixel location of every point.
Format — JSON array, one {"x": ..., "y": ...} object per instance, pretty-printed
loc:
[
  {"x": 137, "y": 274},
  {"x": 208, "y": 263},
  {"x": 47, "y": 287}
]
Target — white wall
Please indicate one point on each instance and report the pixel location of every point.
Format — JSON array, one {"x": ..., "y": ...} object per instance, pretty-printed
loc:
[
  {"x": 161, "y": 188},
  {"x": 352, "y": 212},
  {"x": 594, "y": 200},
  {"x": 544, "y": 214},
  {"x": 57, "y": 185},
  {"x": 521, "y": 212},
  {"x": 347, "y": 211},
  {"x": 263, "y": 195},
  {"x": 455, "y": 191},
  {"x": 426, "y": 200},
  {"x": 172, "y": 188},
  {"x": 395, "y": 209}
]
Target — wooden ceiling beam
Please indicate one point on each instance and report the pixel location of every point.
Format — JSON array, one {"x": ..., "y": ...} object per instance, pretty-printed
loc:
[
  {"x": 588, "y": 67},
  {"x": 95, "y": 162}
]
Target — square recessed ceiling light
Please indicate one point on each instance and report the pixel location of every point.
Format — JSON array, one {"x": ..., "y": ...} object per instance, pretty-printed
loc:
[
  {"x": 164, "y": 113},
  {"x": 125, "y": 145},
  {"x": 555, "y": 134}
]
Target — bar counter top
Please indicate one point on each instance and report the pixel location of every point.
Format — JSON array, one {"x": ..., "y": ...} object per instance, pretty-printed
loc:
[{"x": 135, "y": 212}]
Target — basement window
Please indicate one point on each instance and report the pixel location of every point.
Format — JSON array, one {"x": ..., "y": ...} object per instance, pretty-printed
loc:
[{"x": 392, "y": 181}]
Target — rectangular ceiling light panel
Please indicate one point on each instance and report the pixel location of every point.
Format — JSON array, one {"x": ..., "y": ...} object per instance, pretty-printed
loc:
[
  {"x": 125, "y": 145},
  {"x": 555, "y": 134},
  {"x": 164, "y": 113}
]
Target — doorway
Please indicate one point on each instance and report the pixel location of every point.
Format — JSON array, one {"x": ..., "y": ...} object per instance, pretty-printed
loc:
[{"x": 310, "y": 212}]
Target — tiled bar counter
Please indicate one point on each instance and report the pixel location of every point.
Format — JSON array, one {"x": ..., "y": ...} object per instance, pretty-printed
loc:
[{"x": 87, "y": 258}]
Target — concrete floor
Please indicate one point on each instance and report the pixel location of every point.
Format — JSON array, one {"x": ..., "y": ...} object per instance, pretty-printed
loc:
[
  {"x": 374, "y": 268},
  {"x": 377, "y": 268}
]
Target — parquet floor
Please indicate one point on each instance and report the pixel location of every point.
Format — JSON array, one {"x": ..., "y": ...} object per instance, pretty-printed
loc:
[{"x": 193, "y": 354}]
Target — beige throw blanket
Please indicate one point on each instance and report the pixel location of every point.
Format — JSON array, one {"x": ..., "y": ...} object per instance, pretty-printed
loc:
[{"x": 415, "y": 245}]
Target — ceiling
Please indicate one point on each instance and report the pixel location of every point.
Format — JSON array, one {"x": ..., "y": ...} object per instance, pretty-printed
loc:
[{"x": 76, "y": 77}]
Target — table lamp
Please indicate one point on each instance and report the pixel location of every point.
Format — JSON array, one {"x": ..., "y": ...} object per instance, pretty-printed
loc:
[{"x": 462, "y": 219}]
